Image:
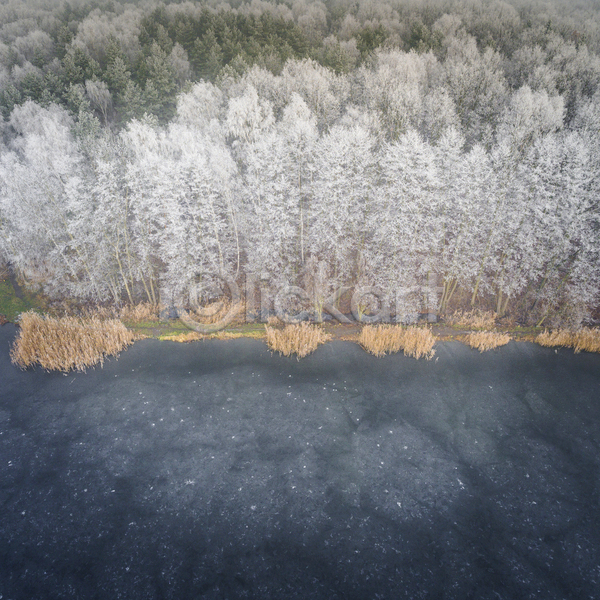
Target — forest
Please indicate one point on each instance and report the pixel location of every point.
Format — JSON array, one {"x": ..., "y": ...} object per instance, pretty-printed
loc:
[{"x": 148, "y": 149}]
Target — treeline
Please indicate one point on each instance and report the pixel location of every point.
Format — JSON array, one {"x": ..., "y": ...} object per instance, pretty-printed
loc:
[
  {"x": 309, "y": 179},
  {"x": 150, "y": 148},
  {"x": 121, "y": 60}
]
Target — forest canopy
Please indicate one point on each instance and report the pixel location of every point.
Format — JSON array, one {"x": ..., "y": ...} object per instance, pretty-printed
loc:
[
  {"x": 138, "y": 56},
  {"x": 148, "y": 148}
]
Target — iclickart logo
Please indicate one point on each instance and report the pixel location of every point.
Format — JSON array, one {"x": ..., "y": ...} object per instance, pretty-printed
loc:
[{"x": 294, "y": 304}]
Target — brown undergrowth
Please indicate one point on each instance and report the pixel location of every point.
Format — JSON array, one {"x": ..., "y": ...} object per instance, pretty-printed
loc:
[
  {"x": 67, "y": 343},
  {"x": 584, "y": 339},
  {"x": 472, "y": 319},
  {"x": 300, "y": 339},
  {"x": 144, "y": 312},
  {"x": 486, "y": 340},
  {"x": 385, "y": 339}
]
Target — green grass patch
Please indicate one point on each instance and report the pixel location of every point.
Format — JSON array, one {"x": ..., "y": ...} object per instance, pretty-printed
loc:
[
  {"x": 162, "y": 325},
  {"x": 11, "y": 306},
  {"x": 157, "y": 329},
  {"x": 177, "y": 331}
]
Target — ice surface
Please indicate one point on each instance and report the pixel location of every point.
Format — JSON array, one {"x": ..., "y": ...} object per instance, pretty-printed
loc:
[{"x": 216, "y": 470}]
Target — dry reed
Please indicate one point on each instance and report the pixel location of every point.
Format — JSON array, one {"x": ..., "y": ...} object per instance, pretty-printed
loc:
[
  {"x": 131, "y": 313},
  {"x": 213, "y": 312},
  {"x": 66, "y": 343},
  {"x": 188, "y": 336},
  {"x": 139, "y": 313},
  {"x": 216, "y": 311},
  {"x": 385, "y": 339},
  {"x": 486, "y": 340},
  {"x": 300, "y": 339},
  {"x": 584, "y": 339},
  {"x": 472, "y": 319}
]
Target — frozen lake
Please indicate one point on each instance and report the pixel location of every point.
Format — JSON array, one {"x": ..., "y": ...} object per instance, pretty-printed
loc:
[{"x": 215, "y": 470}]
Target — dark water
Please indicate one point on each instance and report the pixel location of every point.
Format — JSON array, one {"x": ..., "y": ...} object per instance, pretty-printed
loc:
[{"x": 215, "y": 470}]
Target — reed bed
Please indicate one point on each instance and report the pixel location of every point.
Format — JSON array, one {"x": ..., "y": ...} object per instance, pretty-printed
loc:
[
  {"x": 300, "y": 339},
  {"x": 67, "y": 343},
  {"x": 213, "y": 312},
  {"x": 472, "y": 319},
  {"x": 145, "y": 312},
  {"x": 216, "y": 311},
  {"x": 486, "y": 340},
  {"x": 385, "y": 339},
  {"x": 131, "y": 313},
  {"x": 585, "y": 339}
]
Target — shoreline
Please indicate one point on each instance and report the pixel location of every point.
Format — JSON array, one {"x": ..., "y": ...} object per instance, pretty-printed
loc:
[
  {"x": 176, "y": 330},
  {"x": 12, "y": 304},
  {"x": 67, "y": 344}
]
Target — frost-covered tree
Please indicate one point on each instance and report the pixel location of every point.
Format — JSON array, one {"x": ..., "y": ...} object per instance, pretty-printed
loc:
[
  {"x": 248, "y": 115},
  {"x": 45, "y": 215},
  {"x": 323, "y": 91},
  {"x": 406, "y": 224},
  {"x": 299, "y": 129},
  {"x": 395, "y": 88},
  {"x": 100, "y": 97},
  {"x": 528, "y": 116},
  {"x": 201, "y": 108},
  {"x": 560, "y": 179},
  {"x": 198, "y": 237},
  {"x": 342, "y": 202},
  {"x": 271, "y": 211},
  {"x": 477, "y": 85}
]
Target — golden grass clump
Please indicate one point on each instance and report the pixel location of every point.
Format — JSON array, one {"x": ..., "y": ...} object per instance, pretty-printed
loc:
[
  {"x": 131, "y": 313},
  {"x": 188, "y": 336},
  {"x": 560, "y": 337},
  {"x": 66, "y": 343},
  {"x": 139, "y": 313},
  {"x": 586, "y": 339},
  {"x": 301, "y": 339},
  {"x": 217, "y": 310},
  {"x": 385, "y": 339},
  {"x": 472, "y": 319},
  {"x": 486, "y": 340},
  {"x": 213, "y": 312}
]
